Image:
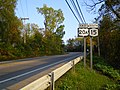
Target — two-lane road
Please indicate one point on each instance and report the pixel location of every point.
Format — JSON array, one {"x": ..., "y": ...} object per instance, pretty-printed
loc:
[{"x": 17, "y": 74}]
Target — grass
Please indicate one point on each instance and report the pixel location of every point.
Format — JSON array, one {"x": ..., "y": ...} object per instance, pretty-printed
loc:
[{"x": 83, "y": 79}]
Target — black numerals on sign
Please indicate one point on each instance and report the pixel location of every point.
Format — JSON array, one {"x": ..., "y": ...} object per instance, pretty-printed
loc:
[
  {"x": 83, "y": 32},
  {"x": 93, "y": 32},
  {"x": 86, "y": 32}
]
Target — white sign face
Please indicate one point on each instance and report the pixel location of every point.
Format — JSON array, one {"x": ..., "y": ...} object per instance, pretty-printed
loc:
[
  {"x": 93, "y": 32},
  {"x": 82, "y": 32}
]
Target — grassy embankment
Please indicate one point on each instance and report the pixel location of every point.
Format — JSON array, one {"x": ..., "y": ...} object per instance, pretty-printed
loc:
[{"x": 103, "y": 77}]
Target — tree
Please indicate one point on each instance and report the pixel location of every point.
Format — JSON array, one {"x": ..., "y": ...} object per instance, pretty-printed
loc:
[
  {"x": 53, "y": 28},
  {"x": 109, "y": 31},
  {"x": 9, "y": 23},
  {"x": 53, "y": 18},
  {"x": 74, "y": 45},
  {"x": 9, "y": 29},
  {"x": 109, "y": 41},
  {"x": 106, "y": 6}
]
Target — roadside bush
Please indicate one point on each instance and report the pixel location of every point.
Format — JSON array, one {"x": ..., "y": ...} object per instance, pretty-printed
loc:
[
  {"x": 7, "y": 52},
  {"x": 100, "y": 65}
]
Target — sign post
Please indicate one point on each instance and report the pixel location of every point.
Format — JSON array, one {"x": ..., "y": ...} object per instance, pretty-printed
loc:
[
  {"x": 83, "y": 32},
  {"x": 93, "y": 31},
  {"x": 84, "y": 51},
  {"x": 91, "y": 61}
]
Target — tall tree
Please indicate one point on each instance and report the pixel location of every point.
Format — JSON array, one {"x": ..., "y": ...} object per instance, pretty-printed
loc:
[
  {"x": 53, "y": 18},
  {"x": 9, "y": 23},
  {"x": 109, "y": 41},
  {"x": 53, "y": 28}
]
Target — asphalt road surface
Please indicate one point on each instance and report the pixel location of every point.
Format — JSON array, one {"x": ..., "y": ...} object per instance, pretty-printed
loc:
[{"x": 17, "y": 74}]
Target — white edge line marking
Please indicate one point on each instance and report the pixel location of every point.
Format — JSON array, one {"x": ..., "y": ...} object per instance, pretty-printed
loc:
[{"x": 33, "y": 71}]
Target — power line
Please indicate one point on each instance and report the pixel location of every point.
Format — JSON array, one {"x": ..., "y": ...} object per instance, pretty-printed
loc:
[
  {"x": 21, "y": 7},
  {"x": 72, "y": 11},
  {"x": 27, "y": 7},
  {"x": 75, "y": 7},
  {"x": 17, "y": 12},
  {"x": 80, "y": 11}
]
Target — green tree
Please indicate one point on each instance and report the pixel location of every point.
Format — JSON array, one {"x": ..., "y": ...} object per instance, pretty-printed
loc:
[
  {"x": 74, "y": 44},
  {"x": 9, "y": 23},
  {"x": 9, "y": 29},
  {"x": 53, "y": 29},
  {"x": 109, "y": 41},
  {"x": 53, "y": 18}
]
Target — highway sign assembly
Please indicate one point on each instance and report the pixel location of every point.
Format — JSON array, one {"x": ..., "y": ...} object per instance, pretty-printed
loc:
[
  {"x": 88, "y": 30},
  {"x": 85, "y": 30}
]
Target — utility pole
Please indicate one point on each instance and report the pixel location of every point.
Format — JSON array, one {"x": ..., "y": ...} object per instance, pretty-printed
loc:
[{"x": 25, "y": 31}]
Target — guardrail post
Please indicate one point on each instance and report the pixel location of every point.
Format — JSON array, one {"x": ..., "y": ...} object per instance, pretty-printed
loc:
[
  {"x": 73, "y": 66},
  {"x": 52, "y": 85}
]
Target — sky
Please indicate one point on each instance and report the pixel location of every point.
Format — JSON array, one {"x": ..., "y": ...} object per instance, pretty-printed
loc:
[{"x": 27, "y": 8}]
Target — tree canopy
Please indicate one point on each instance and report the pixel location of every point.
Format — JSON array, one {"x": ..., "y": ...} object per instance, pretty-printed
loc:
[
  {"x": 74, "y": 45},
  {"x": 9, "y": 23},
  {"x": 54, "y": 33},
  {"x": 53, "y": 20},
  {"x": 106, "y": 6}
]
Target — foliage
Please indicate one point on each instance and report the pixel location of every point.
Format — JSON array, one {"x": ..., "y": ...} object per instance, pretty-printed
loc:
[
  {"x": 100, "y": 65},
  {"x": 111, "y": 87},
  {"x": 53, "y": 20},
  {"x": 9, "y": 23},
  {"x": 105, "y": 6},
  {"x": 18, "y": 41},
  {"x": 53, "y": 29},
  {"x": 109, "y": 41},
  {"x": 82, "y": 79},
  {"x": 74, "y": 45},
  {"x": 109, "y": 31}
]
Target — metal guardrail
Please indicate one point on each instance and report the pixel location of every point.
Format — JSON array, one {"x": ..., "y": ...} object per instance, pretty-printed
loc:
[{"x": 49, "y": 79}]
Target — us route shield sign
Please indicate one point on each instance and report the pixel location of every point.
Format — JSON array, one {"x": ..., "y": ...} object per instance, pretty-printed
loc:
[
  {"x": 82, "y": 32},
  {"x": 93, "y": 32}
]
